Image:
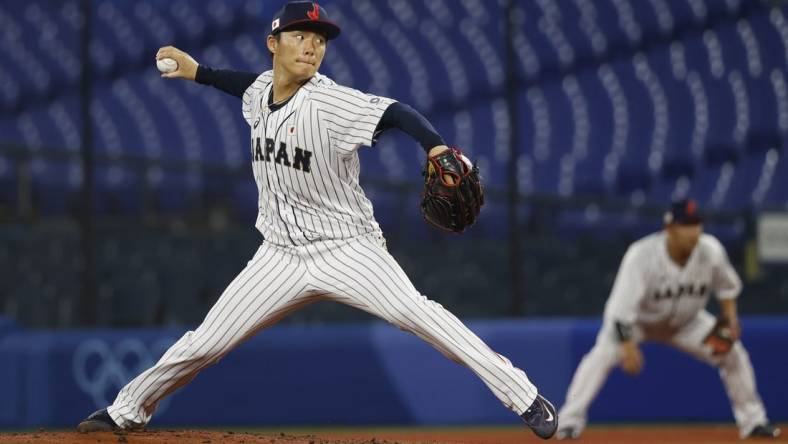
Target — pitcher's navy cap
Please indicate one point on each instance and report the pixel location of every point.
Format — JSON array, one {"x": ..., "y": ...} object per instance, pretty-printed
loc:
[
  {"x": 304, "y": 15},
  {"x": 684, "y": 212}
]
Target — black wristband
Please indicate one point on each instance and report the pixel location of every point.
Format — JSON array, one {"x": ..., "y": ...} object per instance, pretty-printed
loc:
[
  {"x": 203, "y": 75},
  {"x": 623, "y": 331}
]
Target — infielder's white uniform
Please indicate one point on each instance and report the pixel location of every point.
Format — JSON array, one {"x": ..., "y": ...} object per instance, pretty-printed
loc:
[
  {"x": 321, "y": 242},
  {"x": 665, "y": 302}
]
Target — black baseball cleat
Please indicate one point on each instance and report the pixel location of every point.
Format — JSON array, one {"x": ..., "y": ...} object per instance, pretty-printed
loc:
[
  {"x": 567, "y": 433},
  {"x": 541, "y": 418},
  {"x": 98, "y": 421},
  {"x": 764, "y": 431}
]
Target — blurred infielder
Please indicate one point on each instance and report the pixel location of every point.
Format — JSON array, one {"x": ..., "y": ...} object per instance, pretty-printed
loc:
[
  {"x": 660, "y": 294},
  {"x": 321, "y": 239}
]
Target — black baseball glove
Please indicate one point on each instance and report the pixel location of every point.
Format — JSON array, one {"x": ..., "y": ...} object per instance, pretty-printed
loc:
[{"x": 453, "y": 194}]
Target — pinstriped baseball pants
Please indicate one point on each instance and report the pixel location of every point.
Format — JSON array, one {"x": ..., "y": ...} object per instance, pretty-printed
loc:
[{"x": 279, "y": 280}]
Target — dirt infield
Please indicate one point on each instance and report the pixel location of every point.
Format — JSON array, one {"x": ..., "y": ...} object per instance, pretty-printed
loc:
[
  {"x": 596, "y": 435},
  {"x": 179, "y": 437}
]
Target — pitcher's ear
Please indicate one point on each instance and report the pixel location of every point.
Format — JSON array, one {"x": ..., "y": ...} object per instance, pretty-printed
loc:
[{"x": 272, "y": 41}]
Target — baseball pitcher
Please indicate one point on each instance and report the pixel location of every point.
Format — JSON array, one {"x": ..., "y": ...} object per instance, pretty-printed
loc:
[{"x": 321, "y": 239}]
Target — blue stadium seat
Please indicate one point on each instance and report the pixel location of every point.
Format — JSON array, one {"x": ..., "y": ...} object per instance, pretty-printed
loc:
[
  {"x": 721, "y": 153},
  {"x": 767, "y": 38},
  {"x": 745, "y": 180},
  {"x": 588, "y": 178},
  {"x": 763, "y": 133},
  {"x": 722, "y": 111},
  {"x": 777, "y": 196},
  {"x": 663, "y": 189},
  {"x": 116, "y": 27},
  {"x": 678, "y": 164},
  {"x": 600, "y": 111},
  {"x": 594, "y": 77},
  {"x": 591, "y": 82},
  {"x": 704, "y": 182},
  {"x": 632, "y": 178},
  {"x": 639, "y": 113}
]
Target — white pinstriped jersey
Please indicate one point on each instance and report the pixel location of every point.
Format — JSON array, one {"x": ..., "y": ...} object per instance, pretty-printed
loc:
[
  {"x": 321, "y": 242},
  {"x": 305, "y": 162},
  {"x": 650, "y": 288}
]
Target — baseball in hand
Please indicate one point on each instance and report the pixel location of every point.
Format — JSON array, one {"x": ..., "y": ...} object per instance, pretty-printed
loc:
[{"x": 166, "y": 65}]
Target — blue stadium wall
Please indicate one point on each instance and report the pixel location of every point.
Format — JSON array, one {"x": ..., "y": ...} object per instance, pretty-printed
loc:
[{"x": 364, "y": 374}]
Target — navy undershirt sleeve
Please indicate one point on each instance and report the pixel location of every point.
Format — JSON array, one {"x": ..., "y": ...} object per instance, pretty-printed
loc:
[
  {"x": 398, "y": 115},
  {"x": 227, "y": 80},
  {"x": 410, "y": 121}
]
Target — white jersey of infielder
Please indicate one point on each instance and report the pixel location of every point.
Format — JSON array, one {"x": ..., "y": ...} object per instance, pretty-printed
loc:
[
  {"x": 663, "y": 301},
  {"x": 321, "y": 241}
]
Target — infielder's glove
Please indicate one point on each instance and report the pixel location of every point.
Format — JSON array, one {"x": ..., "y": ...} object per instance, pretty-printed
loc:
[
  {"x": 720, "y": 339},
  {"x": 453, "y": 194}
]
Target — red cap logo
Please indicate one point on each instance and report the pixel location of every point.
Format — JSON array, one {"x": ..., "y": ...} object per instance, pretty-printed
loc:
[
  {"x": 691, "y": 206},
  {"x": 314, "y": 14}
]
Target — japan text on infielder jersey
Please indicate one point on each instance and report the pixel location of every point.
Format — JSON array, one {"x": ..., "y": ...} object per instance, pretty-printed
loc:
[
  {"x": 305, "y": 162},
  {"x": 651, "y": 288}
]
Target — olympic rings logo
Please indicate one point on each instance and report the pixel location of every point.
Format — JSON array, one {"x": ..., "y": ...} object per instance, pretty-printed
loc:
[{"x": 101, "y": 370}]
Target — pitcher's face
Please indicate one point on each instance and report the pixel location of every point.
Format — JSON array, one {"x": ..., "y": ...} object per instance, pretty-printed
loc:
[{"x": 298, "y": 52}]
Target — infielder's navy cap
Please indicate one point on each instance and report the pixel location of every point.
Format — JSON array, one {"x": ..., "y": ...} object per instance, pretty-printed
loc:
[
  {"x": 304, "y": 15},
  {"x": 684, "y": 212}
]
